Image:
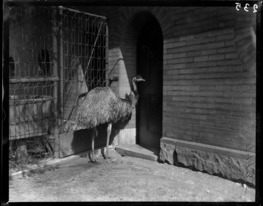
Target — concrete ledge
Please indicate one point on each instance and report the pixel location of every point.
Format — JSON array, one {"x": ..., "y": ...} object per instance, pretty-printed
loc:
[
  {"x": 136, "y": 151},
  {"x": 126, "y": 136},
  {"x": 45, "y": 163},
  {"x": 228, "y": 163}
]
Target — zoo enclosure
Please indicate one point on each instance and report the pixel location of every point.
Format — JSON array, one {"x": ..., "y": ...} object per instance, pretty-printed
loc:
[{"x": 55, "y": 54}]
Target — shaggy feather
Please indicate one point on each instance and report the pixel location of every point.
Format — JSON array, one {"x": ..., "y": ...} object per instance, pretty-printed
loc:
[{"x": 101, "y": 105}]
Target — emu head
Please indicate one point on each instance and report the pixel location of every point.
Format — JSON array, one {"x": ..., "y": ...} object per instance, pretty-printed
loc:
[
  {"x": 137, "y": 78},
  {"x": 134, "y": 96}
]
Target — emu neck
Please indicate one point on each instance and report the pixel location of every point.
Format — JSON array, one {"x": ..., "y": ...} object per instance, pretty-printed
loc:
[
  {"x": 134, "y": 94},
  {"x": 134, "y": 88}
]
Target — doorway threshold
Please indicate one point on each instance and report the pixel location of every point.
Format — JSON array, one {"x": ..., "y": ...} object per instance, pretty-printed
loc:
[{"x": 138, "y": 151}]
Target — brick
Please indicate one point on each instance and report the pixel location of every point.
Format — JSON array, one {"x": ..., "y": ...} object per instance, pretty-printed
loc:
[
  {"x": 243, "y": 114},
  {"x": 179, "y": 44},
  {"x": 206, "y": 99},
  {"x": 166, "y": 88},
  {"x": 231, "y": 56},
  {"x": 193, "y": 53},
  {"x": 193, "y": 42},
  {"x": 168, "y": 67},
  {"x": 214, "y": 45},
  {"x": 226, "y": 50},
  {"x": 188, "y": 37},
  {"x": 185, "y": 82},
  {"x": 224, "y": 100},
  {"x": 244, "y": 88},
  {"x": 192, "y": 76},
  {"x": 172, "y": 72},
  {"x": 228, "y": 62},
  {"x": 243, "y": 101},
  {"x": 207, "y": 40},
  {"x": 220, "y": 32},
  {"x": 167, "y": 41},
  {"x": 168, "y": 56},
  {"x": 207, "y": 88},
  {"x": 180, "y": 55},
  {"x": 208, "y": 81},
  {"x": 181, "y": 93},
  {"x": 179, "y": 66},
  {"x": 192, "y": 133},
  {"x": 186, "y": 88},
  {"x": 209, "y": 52},
  {"x": 200, "y": 59},
  {"x": 182, "y": 60},
  {"x": 200, "y": 64},
  {"x": 240, "y": 94},
  {"x": 225, "y": 37},
  {"x": 216, "y": 57},
  {"x": 208, "y": 70},
  {"x": 168, "y": 45},
  {"x": 185, "y": 71},
  {"x": 206, "y": 123},
  {"x": 229, "y": 43}
]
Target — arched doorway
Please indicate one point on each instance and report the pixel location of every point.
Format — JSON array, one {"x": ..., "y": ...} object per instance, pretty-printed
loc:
[{"x": 150, "y": 66}]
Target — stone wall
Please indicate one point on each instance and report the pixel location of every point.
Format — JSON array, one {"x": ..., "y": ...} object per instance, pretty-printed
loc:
[{"x": 227, "y": 163}]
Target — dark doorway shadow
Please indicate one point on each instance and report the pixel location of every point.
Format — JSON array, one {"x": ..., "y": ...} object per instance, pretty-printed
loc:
[{"x": 150, "y": 66}]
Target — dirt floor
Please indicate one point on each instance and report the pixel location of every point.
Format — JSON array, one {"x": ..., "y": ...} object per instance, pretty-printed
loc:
[{"x": 123, "y": 179}]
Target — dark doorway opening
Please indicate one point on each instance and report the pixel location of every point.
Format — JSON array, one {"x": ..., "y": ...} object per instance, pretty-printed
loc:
[{"x": 150, "y": 66}]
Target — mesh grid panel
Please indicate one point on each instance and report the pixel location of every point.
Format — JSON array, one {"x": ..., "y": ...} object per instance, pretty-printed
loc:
[
  {"x": 31, "y": 81},
  {"x": 83, "y": 49},
  {"x": 55, "y": 54}
]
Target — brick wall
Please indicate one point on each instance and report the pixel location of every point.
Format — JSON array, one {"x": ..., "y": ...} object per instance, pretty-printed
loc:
[{"x": 209, "y": 87}]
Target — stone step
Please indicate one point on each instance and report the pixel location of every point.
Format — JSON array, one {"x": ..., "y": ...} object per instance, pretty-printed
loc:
[{"x": 137, "y": 151}]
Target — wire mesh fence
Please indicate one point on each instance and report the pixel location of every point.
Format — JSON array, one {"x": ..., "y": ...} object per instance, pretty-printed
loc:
[
  {"x": 84, "y": 53},
  {"x": 55, "y": 54}
]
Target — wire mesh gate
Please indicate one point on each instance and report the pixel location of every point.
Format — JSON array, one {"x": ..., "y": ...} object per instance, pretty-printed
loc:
[{"x": 55, "y": 54}]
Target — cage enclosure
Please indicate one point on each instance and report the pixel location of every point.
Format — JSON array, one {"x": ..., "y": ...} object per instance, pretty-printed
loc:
[{"x": 55, "y": 54}]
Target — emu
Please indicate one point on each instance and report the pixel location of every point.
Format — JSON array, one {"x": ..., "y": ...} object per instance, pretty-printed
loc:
[{"x": 101, "y": 106}]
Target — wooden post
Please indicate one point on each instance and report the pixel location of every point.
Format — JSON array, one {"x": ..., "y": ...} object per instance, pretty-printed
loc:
[
  {"x": 61, "y": 68},
  {"x": 55, "y": 74},
  {"x": 107, "y": 55}
]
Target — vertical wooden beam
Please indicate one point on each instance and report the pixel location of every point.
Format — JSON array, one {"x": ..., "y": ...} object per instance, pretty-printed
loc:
[
  {"x": 61, "y": 64},
  {"x": 107, "y": 54},
  {"x": 55, "y": 74},
  {"x": 61, "y": 78},
  {"x": 55, "y": 59}
]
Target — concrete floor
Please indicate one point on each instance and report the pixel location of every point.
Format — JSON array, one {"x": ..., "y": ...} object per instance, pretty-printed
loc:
[{"x": 122, "y": 179}]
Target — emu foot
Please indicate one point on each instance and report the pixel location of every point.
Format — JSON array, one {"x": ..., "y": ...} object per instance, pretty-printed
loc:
[
  {"x": 93, "y": 157},
  {"x": 105, "y": 154}
]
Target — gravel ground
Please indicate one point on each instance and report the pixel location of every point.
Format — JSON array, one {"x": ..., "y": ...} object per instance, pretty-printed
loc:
[{"x": 123, "y": 179}]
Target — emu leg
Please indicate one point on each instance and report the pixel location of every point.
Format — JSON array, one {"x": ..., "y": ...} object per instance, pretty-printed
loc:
[
  {"x": 109, "y": 127},
  {"x": 93, "y": 159}
]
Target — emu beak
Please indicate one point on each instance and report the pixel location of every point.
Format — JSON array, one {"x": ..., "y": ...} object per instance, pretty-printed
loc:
[{"x": 142, "y": 80}]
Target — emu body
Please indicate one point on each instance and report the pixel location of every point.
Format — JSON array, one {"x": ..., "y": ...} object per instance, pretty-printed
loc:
[{"x": 100, "y": 105}]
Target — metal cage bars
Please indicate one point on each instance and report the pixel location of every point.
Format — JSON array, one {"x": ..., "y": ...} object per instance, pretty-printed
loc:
[
  {"x": 55, "y": 55},
  {"x": 83, "y": 55},
  {"x": 30, "y": 70}
]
